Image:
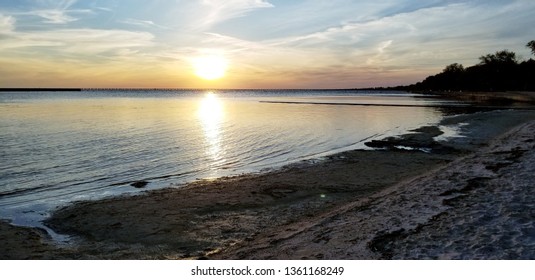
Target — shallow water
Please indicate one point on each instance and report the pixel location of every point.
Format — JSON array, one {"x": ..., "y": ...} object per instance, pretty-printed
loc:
[{"x": 59, "y": 147}]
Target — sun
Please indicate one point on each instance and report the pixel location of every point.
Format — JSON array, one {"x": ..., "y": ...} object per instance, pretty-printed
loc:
[{"x": 210, "y": 67}]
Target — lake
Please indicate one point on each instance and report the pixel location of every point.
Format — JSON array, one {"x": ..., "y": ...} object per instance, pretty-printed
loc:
[{"x": 60, "y": 147}]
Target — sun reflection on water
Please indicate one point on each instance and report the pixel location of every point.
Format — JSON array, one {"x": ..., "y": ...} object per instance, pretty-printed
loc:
[{"x": 211, "y": 116}]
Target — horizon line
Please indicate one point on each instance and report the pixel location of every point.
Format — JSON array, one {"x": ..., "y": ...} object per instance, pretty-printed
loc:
[{"x": 185, "y": 89}]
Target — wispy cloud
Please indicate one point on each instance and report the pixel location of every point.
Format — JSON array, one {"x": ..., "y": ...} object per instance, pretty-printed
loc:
[
  {"x": 67, "y": 40},
  {"x": 7, "y": 24},
  {"x": 224, "y": 9},
  {"x": 143, "y": 23},
  {"x": 56, "y": 12},
  {"x": 429, "y": 34},
  {"x": 78, "y": 41},
  {"x": 231, "y": 44},
  {"x": 376, "y": 59},
  {"x": 53, "y": 16},
  {"x": 215, "y": 11}
]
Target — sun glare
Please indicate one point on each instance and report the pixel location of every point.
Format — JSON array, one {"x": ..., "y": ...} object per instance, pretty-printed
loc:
[
  {"x": 210, "y": 108},
  {"x": 210, "y": 67},
  {"x": 210, "y": 113}
]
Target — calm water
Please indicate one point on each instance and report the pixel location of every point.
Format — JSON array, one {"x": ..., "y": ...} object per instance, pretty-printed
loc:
[{"x": 59, "y": 147}]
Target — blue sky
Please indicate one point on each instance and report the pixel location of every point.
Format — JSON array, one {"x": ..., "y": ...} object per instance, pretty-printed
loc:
[{"x": 267, "y": 43}]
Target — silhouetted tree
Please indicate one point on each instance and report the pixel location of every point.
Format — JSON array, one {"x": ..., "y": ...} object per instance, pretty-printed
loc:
[
  {"x": 454, "y": 68},
  {"x": 501, "y": 57},
  {"x": 531, "y": 45},
  {"x": 500, "y": 71}
]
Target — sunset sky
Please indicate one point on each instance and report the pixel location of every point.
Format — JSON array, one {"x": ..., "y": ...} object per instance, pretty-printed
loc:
[{"x": 251, "y": 43}]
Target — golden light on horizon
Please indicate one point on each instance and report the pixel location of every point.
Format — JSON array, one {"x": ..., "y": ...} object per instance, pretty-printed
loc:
[{"x": 210, "y": 67}]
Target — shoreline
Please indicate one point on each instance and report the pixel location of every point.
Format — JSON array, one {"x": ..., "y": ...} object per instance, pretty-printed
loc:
[
  {"x": 215, "y": 218},
  {"x": 499, "y": 98},
  {"x": 476, "y": 207}
]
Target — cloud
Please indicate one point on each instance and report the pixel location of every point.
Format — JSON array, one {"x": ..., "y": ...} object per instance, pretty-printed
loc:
[
  {"x": 105, "y": 9},
  {"x": 55, "y": 12},
  {"x": 7, "y": 24},
  {"x": 215, "y": 11},
  {"x": 423, "y": 37},
  {"x": 380, "y": 53},
  {"x": 84, "y": 41},
  {"x": 231, "y": 44},
  {"x": 53, "y": 16},
  {"x": 142, "y": 23}
]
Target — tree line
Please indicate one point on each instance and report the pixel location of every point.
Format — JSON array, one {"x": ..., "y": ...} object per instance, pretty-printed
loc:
[{"x": 501, "y": 71}]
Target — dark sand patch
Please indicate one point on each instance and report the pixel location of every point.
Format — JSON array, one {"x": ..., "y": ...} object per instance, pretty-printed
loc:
[{"x": 25, "y": 243}]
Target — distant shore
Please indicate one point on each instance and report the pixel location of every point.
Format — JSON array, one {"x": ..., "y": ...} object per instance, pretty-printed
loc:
[
  {"x": 496, "y": 98},
  {"x": 38, "y": 89},
  {"x": 354, "y": 205}
]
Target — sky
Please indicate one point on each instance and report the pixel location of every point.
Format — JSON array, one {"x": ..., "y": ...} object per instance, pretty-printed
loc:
[{"x": 260, "y": 43}]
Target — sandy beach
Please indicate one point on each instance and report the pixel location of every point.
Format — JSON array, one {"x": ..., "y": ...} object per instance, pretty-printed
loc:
[{"x": 464, "y": 198}]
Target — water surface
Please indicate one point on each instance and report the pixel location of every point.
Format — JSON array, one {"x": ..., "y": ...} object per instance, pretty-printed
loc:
[{"x": 59, "y": 147}]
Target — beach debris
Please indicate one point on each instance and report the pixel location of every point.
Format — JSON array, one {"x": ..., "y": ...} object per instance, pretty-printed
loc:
[{"x": 139, "y": 184}]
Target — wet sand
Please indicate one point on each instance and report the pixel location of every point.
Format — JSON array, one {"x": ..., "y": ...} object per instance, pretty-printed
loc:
[{"x": 353, "y": 205}]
